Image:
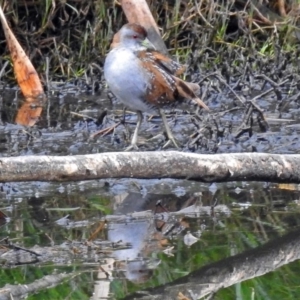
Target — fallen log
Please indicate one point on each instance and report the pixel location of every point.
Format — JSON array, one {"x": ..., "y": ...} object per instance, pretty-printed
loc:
[{"x": 149, "y": 165}]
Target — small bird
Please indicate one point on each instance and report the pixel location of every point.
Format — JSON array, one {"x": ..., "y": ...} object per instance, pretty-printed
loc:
[{"x": 143, "y": 79}]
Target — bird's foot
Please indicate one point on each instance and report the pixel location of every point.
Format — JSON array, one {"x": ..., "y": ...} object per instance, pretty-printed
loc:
[
  {"x": 168, "y": 130},
  {"x": 161, "y": 136},
  {"x": 133, "y": 144},
  {"x": 131, "y": 147},
  {"x": 173, "y": 141}
]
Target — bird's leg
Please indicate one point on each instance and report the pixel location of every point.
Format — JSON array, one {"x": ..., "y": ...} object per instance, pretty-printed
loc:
[
  {"x": 123, "y": 121},
  {"x": 136, "y": 132},
  {"x": 167, "y": 128},
  {"x": 137, "y": 128}
]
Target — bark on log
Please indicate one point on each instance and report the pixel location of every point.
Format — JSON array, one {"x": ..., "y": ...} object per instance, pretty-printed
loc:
[{"x": 149, "y": 165}]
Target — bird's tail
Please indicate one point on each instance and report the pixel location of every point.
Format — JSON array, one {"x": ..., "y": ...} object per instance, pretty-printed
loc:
[{"x": 187, "y": 90}]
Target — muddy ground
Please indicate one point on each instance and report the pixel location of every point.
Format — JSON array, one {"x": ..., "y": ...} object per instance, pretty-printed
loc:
[{"x": 253, "y": 101}]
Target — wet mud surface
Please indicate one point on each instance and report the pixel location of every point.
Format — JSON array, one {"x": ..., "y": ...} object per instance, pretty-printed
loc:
[{"x": 254, "y": 108}]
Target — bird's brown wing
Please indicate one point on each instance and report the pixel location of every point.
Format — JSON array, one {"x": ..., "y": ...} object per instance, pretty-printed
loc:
[
  {"x": 165, "y": 88},
  {"x": 166, "y": 62}
]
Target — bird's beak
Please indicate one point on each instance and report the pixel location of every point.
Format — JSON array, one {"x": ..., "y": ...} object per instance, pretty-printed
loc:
[{"x": 146, "y": 43}]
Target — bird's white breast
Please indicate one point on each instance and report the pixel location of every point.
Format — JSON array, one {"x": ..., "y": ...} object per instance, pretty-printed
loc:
[{"x": 127, "y": 79}]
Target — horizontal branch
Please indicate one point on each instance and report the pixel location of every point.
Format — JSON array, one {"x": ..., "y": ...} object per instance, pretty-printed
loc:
[{"x": 148, "y": 165}]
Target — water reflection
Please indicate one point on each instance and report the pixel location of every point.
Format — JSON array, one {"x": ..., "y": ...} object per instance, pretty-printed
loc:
[
  {"x": 118, "y": 241},
  {"x": 227, "y": 272},
  {"x": 30, "y": 111}
]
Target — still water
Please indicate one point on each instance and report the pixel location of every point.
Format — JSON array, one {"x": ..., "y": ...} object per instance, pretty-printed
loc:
[{"x": 164, "y": 238}]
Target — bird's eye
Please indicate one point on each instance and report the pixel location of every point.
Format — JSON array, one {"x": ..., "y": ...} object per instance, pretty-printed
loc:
[{"x": 135, "y": 36}]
